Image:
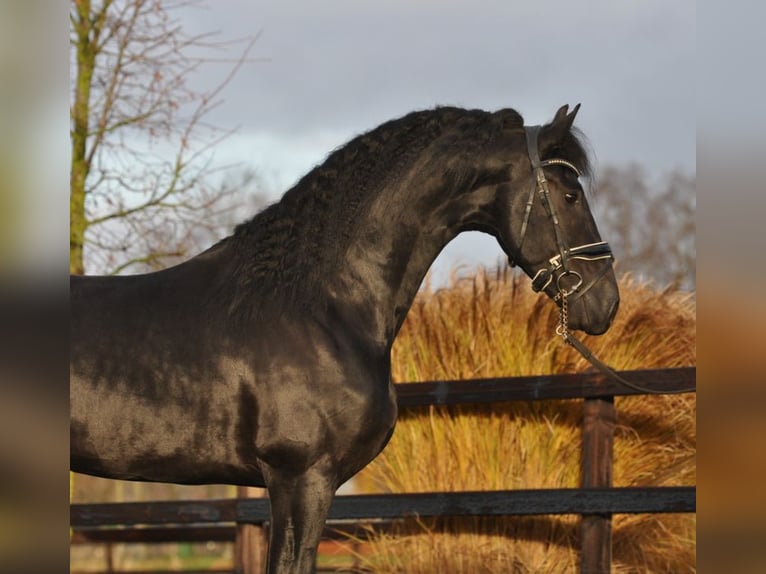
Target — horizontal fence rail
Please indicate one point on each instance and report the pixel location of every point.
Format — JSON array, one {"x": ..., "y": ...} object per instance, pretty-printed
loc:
[
  {"x": 627, "y": 500},
  {"x": 596, "y": 502},
  {"x": 543, "y": 387}
]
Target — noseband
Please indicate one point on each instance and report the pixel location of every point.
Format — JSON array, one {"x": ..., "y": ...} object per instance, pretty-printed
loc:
[{"x": 559, "y": 265}]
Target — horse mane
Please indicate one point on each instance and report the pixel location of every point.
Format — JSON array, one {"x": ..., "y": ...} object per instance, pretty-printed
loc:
[{"x": 282, "y": 251}]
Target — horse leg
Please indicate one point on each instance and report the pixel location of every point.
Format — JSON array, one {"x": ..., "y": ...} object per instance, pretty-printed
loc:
[{"x": 299, "y": 506}]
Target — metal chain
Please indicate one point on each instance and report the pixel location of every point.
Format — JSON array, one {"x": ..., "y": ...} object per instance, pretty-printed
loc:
[{"x": 562, "y": 329}]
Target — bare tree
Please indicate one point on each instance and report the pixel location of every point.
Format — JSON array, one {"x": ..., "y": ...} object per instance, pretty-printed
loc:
[
  {"x": 142, "y": 183},
  {"x": 651, "y": 226}
]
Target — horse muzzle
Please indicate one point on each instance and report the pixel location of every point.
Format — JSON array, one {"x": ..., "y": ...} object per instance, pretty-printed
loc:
[
  {"x": 583, "y": 276},
  {"x": 594, "y": 313}
]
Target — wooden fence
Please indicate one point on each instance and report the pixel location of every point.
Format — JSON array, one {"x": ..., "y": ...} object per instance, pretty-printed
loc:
[{"x": 596, "y": 501}]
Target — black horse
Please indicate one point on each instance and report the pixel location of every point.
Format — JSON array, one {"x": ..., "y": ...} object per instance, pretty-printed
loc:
[{"x": 265, "y": 360}]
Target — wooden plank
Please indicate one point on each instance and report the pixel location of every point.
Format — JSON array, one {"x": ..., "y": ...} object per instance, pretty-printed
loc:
[
  {"x": 542, "y": 387},
  {"x": 161, "y": 512},
  {"x": 334, "y": 530},
  {"x": 629, "y": 500},
  {"x": 152, "y": 535},
  {"x": 516, "y": 502},
  {"x": 599, "y": 419}
]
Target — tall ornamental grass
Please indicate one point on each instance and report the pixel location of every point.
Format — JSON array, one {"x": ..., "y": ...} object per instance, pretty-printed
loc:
[{"x": 494, "y": 325}]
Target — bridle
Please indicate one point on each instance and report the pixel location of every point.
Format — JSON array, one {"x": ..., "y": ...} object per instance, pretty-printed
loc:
[{"x": 559, "y": 265}]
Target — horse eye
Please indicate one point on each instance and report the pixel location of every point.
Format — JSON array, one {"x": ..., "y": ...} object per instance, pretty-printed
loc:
[{"x": 570, "y": 197}]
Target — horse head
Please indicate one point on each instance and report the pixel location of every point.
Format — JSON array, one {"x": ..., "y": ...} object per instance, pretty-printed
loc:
[{"x": 541, "y": 218}]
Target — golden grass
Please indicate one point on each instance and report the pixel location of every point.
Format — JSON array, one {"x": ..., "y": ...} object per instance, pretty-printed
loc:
[{"x": 494, "y": 325}]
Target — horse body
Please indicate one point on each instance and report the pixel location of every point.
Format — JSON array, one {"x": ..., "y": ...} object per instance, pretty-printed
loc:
[
  {"x": 173, "y": 395},
  {"x": 265, "y": 360}
]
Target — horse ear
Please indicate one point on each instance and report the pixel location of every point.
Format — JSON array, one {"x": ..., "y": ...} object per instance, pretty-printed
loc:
[
  {"x": 561, "y": 124},
  {"x": 561, "y": 114},
  {"x": 563, "y": 121}
]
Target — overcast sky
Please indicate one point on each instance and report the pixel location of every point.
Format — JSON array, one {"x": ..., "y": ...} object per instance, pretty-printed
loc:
[{"x": 338, "y": 68}]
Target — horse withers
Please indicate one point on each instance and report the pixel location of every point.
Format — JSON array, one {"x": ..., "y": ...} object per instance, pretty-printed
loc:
[{"x": 265, "y": 360}]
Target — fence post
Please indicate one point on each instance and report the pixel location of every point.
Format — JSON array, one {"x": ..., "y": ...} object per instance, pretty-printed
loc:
[
  {"x": 597, "y": 457},
  {"x": 251, "y": 543}
]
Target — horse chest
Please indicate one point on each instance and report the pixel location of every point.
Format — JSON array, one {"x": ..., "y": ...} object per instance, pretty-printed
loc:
[{"x": 302, "y": 414}]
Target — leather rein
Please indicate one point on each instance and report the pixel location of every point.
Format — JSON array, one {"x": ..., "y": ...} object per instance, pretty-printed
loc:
[{"x": 558, "y": 266}]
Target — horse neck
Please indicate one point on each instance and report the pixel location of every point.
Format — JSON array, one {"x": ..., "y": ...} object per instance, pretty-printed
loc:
[
  {"x": 354, "y": 238},
  {"x": 355, "y": 260},
  {"x": 398, "y": 237}
]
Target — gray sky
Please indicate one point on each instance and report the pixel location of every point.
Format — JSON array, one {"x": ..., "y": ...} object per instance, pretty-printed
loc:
[{"x": 338, "y": 68}]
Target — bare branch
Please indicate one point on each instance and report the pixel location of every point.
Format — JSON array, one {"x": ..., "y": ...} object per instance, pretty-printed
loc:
[{"x": 142, "y": 150}]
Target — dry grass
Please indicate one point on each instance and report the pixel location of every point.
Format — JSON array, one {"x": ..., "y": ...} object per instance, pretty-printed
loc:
[{"x": 493, "y": 325}]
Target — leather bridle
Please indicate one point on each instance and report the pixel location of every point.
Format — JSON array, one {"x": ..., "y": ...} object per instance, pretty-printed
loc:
[{"x": 559, "y": 265}]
